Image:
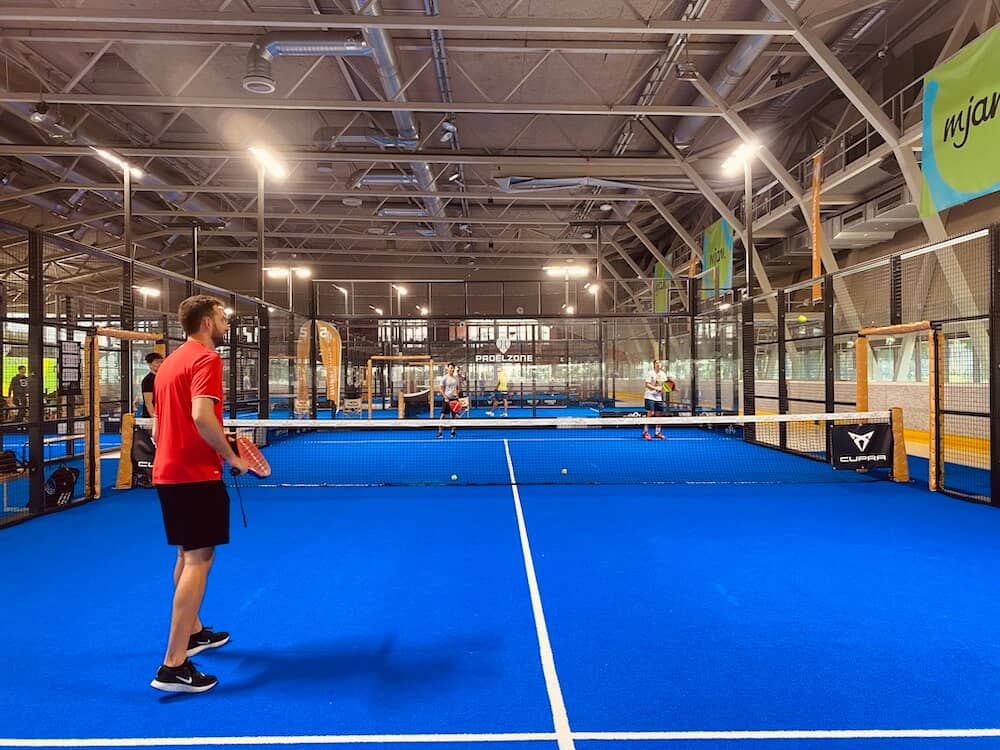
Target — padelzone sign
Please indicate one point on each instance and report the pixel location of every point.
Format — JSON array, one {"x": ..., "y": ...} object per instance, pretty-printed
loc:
[{"x": 961, "y": 160}]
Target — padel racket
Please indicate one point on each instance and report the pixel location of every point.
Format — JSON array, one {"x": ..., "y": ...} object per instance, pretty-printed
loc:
[
  {"x": 249, "y": 452},
  {"x": 455, "y": 406}
]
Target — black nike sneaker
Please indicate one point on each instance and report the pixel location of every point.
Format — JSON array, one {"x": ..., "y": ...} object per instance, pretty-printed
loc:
[
  {"x": 182, "y": 679},
  {"x": 205, "y": 639}
]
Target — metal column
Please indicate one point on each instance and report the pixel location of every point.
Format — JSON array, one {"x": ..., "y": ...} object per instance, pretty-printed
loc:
[
  {"x": 693, "y": 348},
  {"x": 782, "y": 303},
  {"x": 749, "y": 375},
  {"x": 36, "y": 385},
  {"x": 994, "y": 327},
  {"x": 263, "y": 362},
  {"x": 234, "y": 380}
]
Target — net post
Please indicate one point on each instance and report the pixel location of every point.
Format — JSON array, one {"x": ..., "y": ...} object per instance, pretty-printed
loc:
[
  {"x": 124, "y": 479},
  {"x": 861, "y": 373},
  {"x": 935, "y": 468},
  {"x": 900, "y": 465}
]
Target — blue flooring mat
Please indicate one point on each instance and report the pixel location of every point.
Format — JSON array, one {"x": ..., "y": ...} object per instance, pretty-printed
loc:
[
  {"x": 541, "y": 455},
  {"x": 392, "y": 611}
]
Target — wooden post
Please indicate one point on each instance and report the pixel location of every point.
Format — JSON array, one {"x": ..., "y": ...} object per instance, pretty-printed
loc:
[
  {"x": 124, "y": 479},
  {"x": 900, "y": 465},
  {"x": 861, "y": 373}
]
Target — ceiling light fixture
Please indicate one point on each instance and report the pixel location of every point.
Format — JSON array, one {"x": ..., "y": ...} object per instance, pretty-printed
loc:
[
  {"x": 606, "y": 206},
  {"x": 453, "y": 177},
  {"x": 269, "y": 162},
  {"x": 40, "y": 114},
  {"x": 118, "y": 162},
  {"x": 448, "y": 130}
]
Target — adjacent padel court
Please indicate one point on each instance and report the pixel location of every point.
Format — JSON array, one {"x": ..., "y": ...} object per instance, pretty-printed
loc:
[{"x": 701, "y": 591}]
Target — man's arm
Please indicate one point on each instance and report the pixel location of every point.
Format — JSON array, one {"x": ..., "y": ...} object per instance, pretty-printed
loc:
[
  {"x": 210, "y": 429},
  {"x": 156, "y": 424},
  {"x": 441, "y": 389},
  {"x": 147, "y": 399}
]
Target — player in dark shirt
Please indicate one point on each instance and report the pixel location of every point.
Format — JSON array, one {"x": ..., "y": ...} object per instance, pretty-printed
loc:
[
  {"x": 19, "y": 393},
  {"x": 154, "y": 360}
]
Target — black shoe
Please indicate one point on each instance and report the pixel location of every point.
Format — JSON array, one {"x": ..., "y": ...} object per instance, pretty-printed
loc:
[
  {"x": 440, "y": 434},
  {"x": 182, "y": 679},
  {"x": 206, "y": 639},
  {"x": 453, "y": 433}
]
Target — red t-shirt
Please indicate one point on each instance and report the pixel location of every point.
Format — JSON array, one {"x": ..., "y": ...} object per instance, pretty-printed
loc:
[{"x": 182, "y": 455}]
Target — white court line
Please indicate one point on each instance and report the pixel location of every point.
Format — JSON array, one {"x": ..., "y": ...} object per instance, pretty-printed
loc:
[
  {"x": 378, "y": 739},
  {"x": 560, "y": 719}
]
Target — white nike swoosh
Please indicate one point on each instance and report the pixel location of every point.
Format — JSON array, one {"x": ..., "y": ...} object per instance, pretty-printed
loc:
[{"x": 187, "y": 680}]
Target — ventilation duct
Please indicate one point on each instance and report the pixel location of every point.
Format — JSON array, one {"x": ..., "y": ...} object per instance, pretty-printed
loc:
[
  {"x": 536, "y": 184},
  {"x": 381, "y": 178},
  {"x": 83, "y": 137},
  {"x": 729, "y": 74},
  {"x": 333, "y": 137},
  {"x": 258, "y": 78},
  {"x": 401, "y": 212},
  {"x": 392, "y": 83}
]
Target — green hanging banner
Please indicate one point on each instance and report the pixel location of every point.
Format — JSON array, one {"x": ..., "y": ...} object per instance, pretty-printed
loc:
[
  {"x": 718, "y": 258},
  {"x": 961, "y": 160}
]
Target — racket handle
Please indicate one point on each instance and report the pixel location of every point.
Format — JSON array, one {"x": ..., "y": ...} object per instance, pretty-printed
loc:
[{"x": 234, "y": 472}]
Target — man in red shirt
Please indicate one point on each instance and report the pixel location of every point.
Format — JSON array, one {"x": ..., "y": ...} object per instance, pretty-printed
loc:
[{"x": 187, "y": 472}]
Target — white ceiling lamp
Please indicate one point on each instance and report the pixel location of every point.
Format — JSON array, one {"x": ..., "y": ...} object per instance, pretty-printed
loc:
[
  {"x": 453, "y": 177},
  {"x": 352, "y": 202},
  {"x": 448, "y": 130},
  {"x": 567, "y": 271},
  {"x": 268, "y": 162},
  {"x": 606, "y": 207},
  {"x": 117, "y": 161},
  {"x": 40, "y": 114},
  {"x": 588, "y": 235}
]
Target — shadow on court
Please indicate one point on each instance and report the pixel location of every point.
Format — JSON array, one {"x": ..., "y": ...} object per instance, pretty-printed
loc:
[{"x": 392, "y": 667}]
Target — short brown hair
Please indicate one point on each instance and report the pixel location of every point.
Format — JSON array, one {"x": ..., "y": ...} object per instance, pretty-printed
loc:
[{"x": 195, "y": 309}]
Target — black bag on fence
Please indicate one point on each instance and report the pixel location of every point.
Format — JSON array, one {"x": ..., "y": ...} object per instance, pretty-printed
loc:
[
  {"x": 9, "y": 463},
  {"x": 61, "y": 486},
  {"x": 143, "y": 453}
]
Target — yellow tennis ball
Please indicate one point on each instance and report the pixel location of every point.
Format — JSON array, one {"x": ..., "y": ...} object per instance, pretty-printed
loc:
[
  {"x": 565, "y": 471},
  {"x": 803, "y": 318},
  {"x": 454, "y": 477}
]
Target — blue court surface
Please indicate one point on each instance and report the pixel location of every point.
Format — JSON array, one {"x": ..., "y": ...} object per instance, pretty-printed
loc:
[{"x": 833, "y": 614}]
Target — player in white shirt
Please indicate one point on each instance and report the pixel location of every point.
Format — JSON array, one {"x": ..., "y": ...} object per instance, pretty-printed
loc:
[
  {"x": 451, "y": 402},
  {"x": 655, "y": 406}
]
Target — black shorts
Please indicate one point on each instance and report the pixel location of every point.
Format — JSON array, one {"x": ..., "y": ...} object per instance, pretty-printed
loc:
[
  {"x": 195, "y": 514},
  {"x": 657, "y": 407}
]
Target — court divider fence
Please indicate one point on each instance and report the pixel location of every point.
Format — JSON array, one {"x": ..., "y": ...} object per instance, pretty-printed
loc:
[{"x": 566, "y": 350}]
